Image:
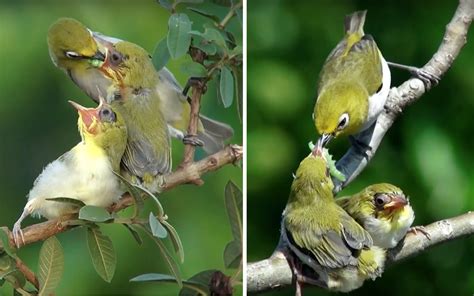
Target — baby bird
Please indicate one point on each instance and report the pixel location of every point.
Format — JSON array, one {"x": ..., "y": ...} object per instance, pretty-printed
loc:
[{"x": 85, "y": 173}]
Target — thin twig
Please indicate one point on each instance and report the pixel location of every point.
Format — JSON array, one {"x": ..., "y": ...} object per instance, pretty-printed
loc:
[
  {"x": 229, "y": 155},
  {"x": 230, "y": 15},
  {"x": 29, "y": 275}
]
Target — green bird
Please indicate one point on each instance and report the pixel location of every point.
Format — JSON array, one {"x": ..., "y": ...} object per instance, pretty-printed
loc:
[
  {"x": 71, "y": 36},
  {"x": 85, "y": 173},
  {"x": 133, "y": 93},
  {"x": 73, "y": 50},
  {"x": 354, "y": 84},
  {"x": 323, "y": 236},
  {"x": 384, "y": 211}
]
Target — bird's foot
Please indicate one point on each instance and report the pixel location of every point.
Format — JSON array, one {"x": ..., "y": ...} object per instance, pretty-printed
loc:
[
  {"x": 192, "y": 140},
  {"x": 421, "y": 229},
  {"x": 429, "y": 79},
  {"x": 361, "y": 148},
  {"x": 18, "y": 236},
  {"x": 300, "y": 278},
  {"x": 196, "y": 82}
]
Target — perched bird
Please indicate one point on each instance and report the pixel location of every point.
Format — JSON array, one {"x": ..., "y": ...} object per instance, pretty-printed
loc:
[
  {"x": 73, "y": 49},
  {"x": 85, "y": 173},
  {"x": 68, "y": 42},
  {"x": 353, "y": 85},
  {"x": 323, "y": 236},
  {"x": 383, "y": 210},
  {"x": 133, "y": 93}
]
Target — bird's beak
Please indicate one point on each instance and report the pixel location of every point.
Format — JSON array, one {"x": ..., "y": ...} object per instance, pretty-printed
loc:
[
  {"x": 324, "y": 140},
  {"x": 98, "y": 56},
  {"x": 88, "y": 115},
  {"x": 398, "y": 201}
]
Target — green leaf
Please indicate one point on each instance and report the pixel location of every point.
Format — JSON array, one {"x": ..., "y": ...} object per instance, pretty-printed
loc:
[
  {"x": 73, "y": 201},
  {"x": 177, "y": 244},
  {"x": 50, "y": 266},
  {"x": 5, "y": 240},
  {"x": 102, "y": 253},
  {"x": 206, "y": 46},
  {"x": 134, "y": 233},
  {"x": 165, "y": 278},
  {"x": 226, "y": 87},
  {"x": 193, "y": 69},
  {"x": 237, "y": 73},
  {"x": 135, "y": 193},
  {"x": 161, "y": 54},
  {"x": 233, "y": 204},
  {"x": 148, "y": 194},
  {"x": 215, "y": 36},
  {"x": 203, "y": 278},
  {"x": 15, "y": 278},
  {"x": 2, "y": 281},
  {"x": 205, "y": 14},
  {"x": 178, "y": 35},
  {"x": 233, "y": 255},
  {"x": 236, "y": 50},
  {"x": 94, "y": 214},
  {"x": 7, "y": 264},
  {"x": 173, "y": 267},
  {"x": 156, "y": 228}
]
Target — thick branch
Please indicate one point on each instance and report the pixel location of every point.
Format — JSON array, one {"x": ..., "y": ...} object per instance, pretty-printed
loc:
[
  {"x": 352, "y": 163},
  {"x": 274, "y": 272},
  {"x": 189, "y": 149},
  {"x": 230, "y": 154},
  {"x": 29, "y": 275}
]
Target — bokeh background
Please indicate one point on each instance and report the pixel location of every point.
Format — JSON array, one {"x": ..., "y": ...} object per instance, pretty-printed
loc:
[
  {"x": 37, "y": 125},
  {"x": 428, "y": 151}
]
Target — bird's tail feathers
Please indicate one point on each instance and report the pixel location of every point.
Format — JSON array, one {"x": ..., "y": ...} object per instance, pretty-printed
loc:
[
  {"x": 354, "y": 22},
  {"x": 214, "y": 135}
]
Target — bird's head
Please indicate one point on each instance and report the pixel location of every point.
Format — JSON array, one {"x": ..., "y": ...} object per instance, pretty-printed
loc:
[
  {"x": 344, "y": 118},
  {"x": 71, "y": 45}
]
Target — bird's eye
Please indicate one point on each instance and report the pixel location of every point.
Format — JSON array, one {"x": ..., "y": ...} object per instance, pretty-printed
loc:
[
  {"x": 380, "y": 200},
  {"x": 116, "y": 58},
  {"x": 343, "y": 121},
  {"x": 108, "y": 115},
  {"x": 72, "y": 55}
]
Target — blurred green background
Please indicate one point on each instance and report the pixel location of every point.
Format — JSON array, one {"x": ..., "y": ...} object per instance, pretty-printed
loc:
[
  {"x": 428, "y": 151},
  {"x": 37, "y": 125}
]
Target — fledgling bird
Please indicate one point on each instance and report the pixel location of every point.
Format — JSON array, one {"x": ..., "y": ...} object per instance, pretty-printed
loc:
[
  {"x": 72, "y": 37},
  {"x": 353, "y": 84},
  {"x": 85, "y": 173},
  {"x": 383, "y": 210},
  {"x": 323, "y": 236}
]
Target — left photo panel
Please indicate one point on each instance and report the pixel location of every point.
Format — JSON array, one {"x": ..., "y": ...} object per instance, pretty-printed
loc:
[{"x": 122, "y": 127}]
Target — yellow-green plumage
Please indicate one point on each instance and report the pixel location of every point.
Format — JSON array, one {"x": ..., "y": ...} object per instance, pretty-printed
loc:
[
  {"x": 318, "y": 228},
  {"x": 354, "y": 81},
  {"x": 86, "y": 172},
  {"x": 73, "y": 49},
  {"x": 383, "y": 210}
]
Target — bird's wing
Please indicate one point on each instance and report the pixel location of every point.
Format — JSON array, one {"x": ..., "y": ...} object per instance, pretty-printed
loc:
[
  {"x": 361, "y": 61},
  {"x": 327, "y": 246},
  {"x": 141, "y": 157},
  {"x": 354, "y": 235}
]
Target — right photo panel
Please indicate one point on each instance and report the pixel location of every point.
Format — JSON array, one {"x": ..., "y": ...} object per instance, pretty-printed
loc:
[{"x": 360, "y": 175}]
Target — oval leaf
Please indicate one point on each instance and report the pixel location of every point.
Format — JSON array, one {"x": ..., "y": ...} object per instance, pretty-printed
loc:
[
  {"x": 233, "y": 255},
  {"x": 102, "y": 253},
  {"x": 156, "y": 228},
  {"x": 233, "y": 204},
  {"x": 161, "y": 54},
  {"x": 134, "y": 233},
  {"x": 193, "y": 69},
  {"x": 195, "y": 286},
  {"x": 135, "y": 193},
  {"x": 177, "y": 244},
  {"x": 5, "y": 240},
  {"x": 50, "y": 266},
  {"x": 68, "y": 200},
  {"x": 94, "y": 214},
  {"x": 237, "y": 73},
  {"x": 226, "y": 87},
  {"x": 178, "y": 39},
  {"x": 203, "y": 278},
  {"x": 205, "y": 14}
]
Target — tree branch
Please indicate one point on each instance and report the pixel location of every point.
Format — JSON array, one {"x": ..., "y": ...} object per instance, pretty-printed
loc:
[
  {"x": 274, "y": 272},
  {"x": 353, "y": 162},
  {"x": 29, "y": 275},
  {"x": 230, "y": 154}
]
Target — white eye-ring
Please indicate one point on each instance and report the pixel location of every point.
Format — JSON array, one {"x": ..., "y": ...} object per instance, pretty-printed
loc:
[
  {"x": 343, "y": 121},
  {"x": 72, "y": 55}
]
